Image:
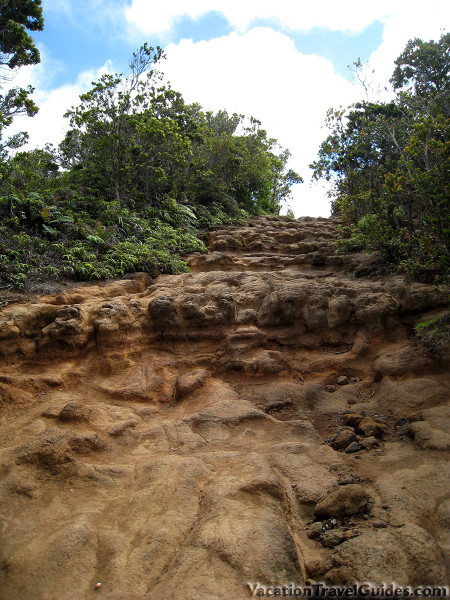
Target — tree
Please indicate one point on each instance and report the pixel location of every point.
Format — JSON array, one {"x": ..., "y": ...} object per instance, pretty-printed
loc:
[
  {"x": 425, "y": 66},
  {"x": 17, "y": 48},
  {"x": 139, "y": 143},
  {"x": 100, "y": 124},
  {"x": 390, "y": 165}
]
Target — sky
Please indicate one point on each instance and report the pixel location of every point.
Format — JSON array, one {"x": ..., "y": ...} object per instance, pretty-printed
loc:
[{"x": 284, "y": 62}]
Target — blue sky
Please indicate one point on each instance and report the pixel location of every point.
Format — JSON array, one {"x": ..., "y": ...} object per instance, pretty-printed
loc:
[
  {"x": 81, "y": 42},
  {"x": 283, "y": 62}
]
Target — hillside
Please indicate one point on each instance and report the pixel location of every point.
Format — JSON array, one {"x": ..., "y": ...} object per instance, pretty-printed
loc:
[{"x": 268, "y": 417}]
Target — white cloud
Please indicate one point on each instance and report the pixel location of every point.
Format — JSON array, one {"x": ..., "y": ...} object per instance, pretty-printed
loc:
[
  {"x": 294, "y": 15},
  {"x": 261, "y": 74}
]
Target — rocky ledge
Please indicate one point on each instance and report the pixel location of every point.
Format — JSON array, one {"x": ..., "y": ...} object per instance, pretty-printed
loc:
[{"x": 267, "y": 417}]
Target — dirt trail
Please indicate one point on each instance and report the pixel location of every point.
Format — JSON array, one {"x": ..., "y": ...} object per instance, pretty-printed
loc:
[{"x": 266, "y": 418}]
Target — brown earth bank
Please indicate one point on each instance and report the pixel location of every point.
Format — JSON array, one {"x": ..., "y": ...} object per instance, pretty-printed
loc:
[{"x": 266, "y": 418}]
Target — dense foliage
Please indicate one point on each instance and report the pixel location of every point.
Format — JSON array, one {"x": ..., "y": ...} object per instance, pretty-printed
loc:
[
  {"x": 137, "y": 175},
  {"x": 390, "y": 165}
]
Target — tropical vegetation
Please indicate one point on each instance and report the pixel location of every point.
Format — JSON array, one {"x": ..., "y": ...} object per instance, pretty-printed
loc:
[
  {"x": 389, "y": 164},
  {"x": 137, "y": 175}
]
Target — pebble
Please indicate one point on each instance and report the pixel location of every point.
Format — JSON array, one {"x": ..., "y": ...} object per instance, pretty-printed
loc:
[
  {"x": 330, "y": 388},
  {"x": 342, "y": 380},
  {"x": 333, "y": 538},
  {"x": 346, "y": 480},
  {"x": 343, "y": 439},
  {"x": 369, "y": 427},
  {"x": 353, "y": 447},
  {"x": 379, "y": 524},
  {"x": 369, "y": 442},
  {"x": 315, "y": 530}
]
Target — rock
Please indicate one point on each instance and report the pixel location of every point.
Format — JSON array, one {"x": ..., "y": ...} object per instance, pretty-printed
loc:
[
  {"x": 120, "y": 428},
  {"x": 189, "y": 382},
  {"x": 426, "y": 436},
  {"x": 369, "y": 427},
  {"x": 352, "y": 419},
  {"x": 343, "y": 439},
  {"x": 330, "y": 388},
  {"x": 315, "y": 530},
  {"x": 339, "y": 310},
  {"x": 346, "y": 501},
  {"x": 246, "y": 316},
  {"x": 12, "y": 396},
  {"x": 74, "y": 411},
  {"x": 369, "y": 442},
  {"x": 55, "y": 450},
  {"x": 346, "y": 480},
  {"x": 379, "y": 524},
  {"x": 408, "y": 556},
  {"x": 330, "y": 539},
  {"x": 342, "y": 380},
  {"x": 352, "y": 448}
]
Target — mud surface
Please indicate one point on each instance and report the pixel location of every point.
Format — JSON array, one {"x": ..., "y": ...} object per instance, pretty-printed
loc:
[{"x": 266, "y": 418}]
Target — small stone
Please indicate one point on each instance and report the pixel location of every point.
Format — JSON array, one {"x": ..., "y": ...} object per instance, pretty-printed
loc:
[
  {"x": 330, "y": 388},
  {"x": 346, "y": 480},
  {"x": 379, "y": 524},
  {"x": 369, "y": 442},
  {"x": 342, "y": 380},
  {"x": 329, "y": 524},
  {"x": 315, "y": 530},
  {"x": 330, "y": 539},
  {"x": 353, "y": 447},
  {"x": 74, "y": 411},
  {"x": 369, "y": 426},
  {"x": 343, "y": 439},
  {"x": 344, "y": 502}
]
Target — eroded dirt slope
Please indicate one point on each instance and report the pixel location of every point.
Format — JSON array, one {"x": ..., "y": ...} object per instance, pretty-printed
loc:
[{"x": 265, "y": 418}]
